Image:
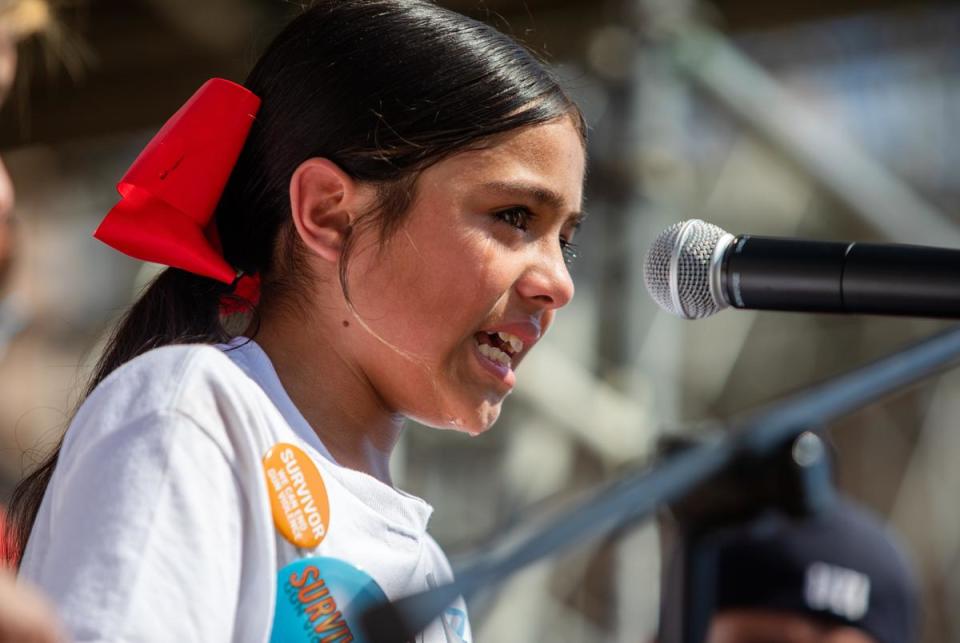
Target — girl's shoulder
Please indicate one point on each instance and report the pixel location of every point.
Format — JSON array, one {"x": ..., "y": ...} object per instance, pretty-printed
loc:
[
  {"x": 195, "y": 383},
  {"x": 159, "y": 485},
  {"x": 167, "y": 378}
]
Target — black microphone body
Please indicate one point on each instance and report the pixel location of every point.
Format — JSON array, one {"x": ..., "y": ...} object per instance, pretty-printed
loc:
[{"x": 769, "y": 273}]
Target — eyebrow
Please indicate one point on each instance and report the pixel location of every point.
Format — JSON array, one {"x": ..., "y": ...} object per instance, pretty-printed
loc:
[{"x": 541, "y": 195}]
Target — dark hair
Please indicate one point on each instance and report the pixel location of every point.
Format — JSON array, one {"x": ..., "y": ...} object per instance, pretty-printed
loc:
[{"x": 383, "y": 88}]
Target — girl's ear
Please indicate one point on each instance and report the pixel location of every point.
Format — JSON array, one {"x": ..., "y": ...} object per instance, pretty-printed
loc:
[{"x": 322, "y": 202}]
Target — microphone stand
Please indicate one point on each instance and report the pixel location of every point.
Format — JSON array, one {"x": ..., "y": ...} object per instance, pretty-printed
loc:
[{"x": 765, "y": 436}]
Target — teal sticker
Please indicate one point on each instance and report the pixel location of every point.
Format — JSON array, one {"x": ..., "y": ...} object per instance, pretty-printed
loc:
[
  {"x": 320, "y": 600},
  {"x": 455, "y": 620}
]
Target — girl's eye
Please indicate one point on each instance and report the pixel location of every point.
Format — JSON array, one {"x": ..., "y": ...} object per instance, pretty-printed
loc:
[
  {"x": 518, "y": 217},
  {"x": 570, "y": 251}
]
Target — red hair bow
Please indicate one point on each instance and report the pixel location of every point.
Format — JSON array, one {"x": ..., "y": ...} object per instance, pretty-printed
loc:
[{"x": 171, "y": 191}]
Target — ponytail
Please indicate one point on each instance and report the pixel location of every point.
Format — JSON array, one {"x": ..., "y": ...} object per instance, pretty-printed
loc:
[{"x": 176, "y": 308}]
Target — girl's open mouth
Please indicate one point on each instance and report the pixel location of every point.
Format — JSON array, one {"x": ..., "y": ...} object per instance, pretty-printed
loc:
[{"x": 499, "y": 347}]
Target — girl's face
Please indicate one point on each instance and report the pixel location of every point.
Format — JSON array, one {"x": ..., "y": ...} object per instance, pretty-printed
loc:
[{"x": 448, "y": 308}]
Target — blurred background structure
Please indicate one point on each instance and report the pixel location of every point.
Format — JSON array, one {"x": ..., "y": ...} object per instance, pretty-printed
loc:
[{"x": 815, "y": 118}]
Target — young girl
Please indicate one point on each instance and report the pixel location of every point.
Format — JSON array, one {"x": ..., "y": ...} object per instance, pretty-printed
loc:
[{"x": 404, "y": 206}]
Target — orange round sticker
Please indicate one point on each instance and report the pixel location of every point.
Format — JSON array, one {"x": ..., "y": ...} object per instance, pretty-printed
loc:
[{"x": 298, "y": 497}]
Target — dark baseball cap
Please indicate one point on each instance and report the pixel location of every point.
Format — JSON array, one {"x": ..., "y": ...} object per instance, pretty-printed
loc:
[{"x": 841, "y": 566}]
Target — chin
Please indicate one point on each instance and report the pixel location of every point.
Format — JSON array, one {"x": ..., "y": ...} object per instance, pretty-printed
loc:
[
  {"x": 486, "y": 417},
  {"x": 473, "y": 421}
]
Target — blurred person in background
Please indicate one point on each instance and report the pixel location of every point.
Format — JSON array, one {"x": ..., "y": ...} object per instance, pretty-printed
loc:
[
  {"x": 839, "y": 577},
  {"x": 19, "y": 19},
  {"x": 25, "y": 616},
  {"x": 11, "y": 320},
  {"x": 403, "y": 202}
]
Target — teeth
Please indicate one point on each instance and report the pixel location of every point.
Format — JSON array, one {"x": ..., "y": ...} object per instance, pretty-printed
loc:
[
  {"x": 495, "y": 354},
  {"x": 516, "y": 344}
]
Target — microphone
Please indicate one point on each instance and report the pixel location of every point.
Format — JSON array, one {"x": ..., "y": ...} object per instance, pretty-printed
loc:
[{"x": 695, "y": 269}]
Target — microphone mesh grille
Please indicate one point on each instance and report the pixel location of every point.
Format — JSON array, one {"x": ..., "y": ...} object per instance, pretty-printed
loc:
[
  {"x": 656, "y": 270},
  {"x": 697, "y": 242}
]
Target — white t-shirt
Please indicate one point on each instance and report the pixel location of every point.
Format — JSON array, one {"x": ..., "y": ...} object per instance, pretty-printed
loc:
[{"x": 157, "y": 523}]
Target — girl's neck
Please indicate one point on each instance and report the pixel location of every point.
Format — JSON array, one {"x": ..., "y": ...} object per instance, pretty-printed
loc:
[{"x": 332, "y": 394}]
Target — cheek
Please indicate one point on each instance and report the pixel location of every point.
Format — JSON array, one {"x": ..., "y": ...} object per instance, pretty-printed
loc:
[
  {"x": 424, "y": 301},
  {"x": 465, "y": 288},
  {"x": 436, "y": 288}
]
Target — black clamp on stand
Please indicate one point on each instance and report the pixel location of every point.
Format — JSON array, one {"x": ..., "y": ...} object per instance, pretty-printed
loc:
[{"x": 796, "y": 479}]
